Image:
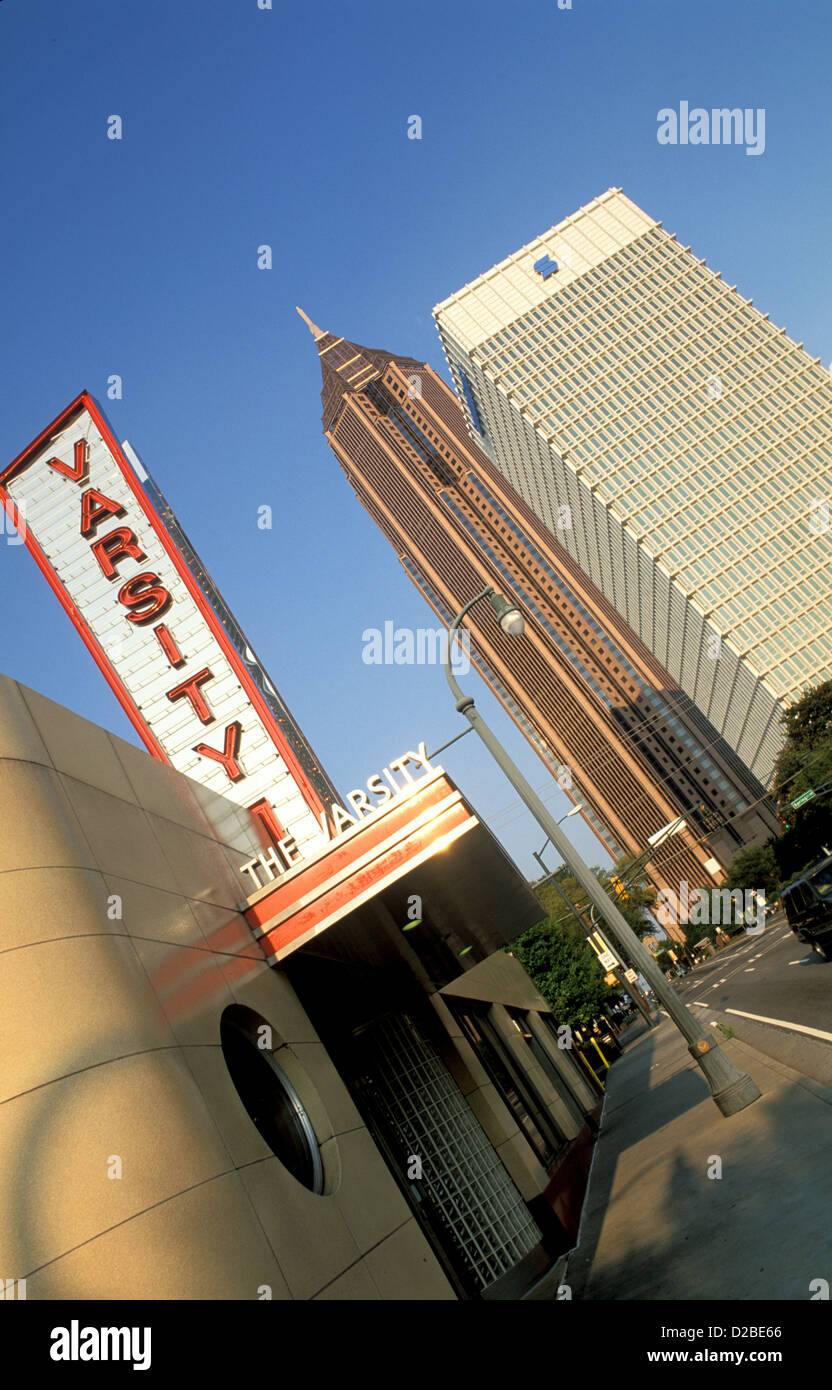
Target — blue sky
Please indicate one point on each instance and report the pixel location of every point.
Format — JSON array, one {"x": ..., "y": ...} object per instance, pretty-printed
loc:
[{"x": 288, "y": 127}]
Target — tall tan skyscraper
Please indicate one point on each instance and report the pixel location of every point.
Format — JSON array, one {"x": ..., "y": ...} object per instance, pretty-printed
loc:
[
  {"x": 606, "y": 370},
  {"x": 602, "y": 714}
]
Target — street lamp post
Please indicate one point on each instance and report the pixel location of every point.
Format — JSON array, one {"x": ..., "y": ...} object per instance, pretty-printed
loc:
[
  {"x": 632, "y": 990},
  {"x": 672, "y": 828},
  {"x": 731, "y": 1089},
  {"x": 552, "y": 877}
]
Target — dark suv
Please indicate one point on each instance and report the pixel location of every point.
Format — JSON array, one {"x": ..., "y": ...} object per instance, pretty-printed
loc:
[{"x": 808, "y": 904}]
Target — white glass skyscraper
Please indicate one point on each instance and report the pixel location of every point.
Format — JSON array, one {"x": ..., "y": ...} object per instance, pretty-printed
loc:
[{"x": 676, "y": 442}]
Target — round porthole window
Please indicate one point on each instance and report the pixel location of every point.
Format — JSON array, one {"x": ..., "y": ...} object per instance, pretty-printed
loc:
[{"x": 270, "y": 1099}]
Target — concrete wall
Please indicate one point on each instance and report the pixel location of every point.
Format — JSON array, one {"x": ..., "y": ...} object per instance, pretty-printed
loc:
[{"x": 121, "y": 943}]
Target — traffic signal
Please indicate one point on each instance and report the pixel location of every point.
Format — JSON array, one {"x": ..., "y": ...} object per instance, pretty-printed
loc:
[
  {"x": 619, "y": 886},
  {"x": 710, "y": 818}
]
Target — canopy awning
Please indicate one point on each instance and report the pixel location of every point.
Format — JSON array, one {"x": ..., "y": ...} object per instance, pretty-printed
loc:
[{"x": 427, "y": 845}]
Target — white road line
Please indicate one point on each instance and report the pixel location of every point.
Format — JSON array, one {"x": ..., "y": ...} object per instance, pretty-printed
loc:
[
  {"x": 788, "y": 937},
  {"x": 749, "y": 971},
  {"x": 699, "y": 1004},
  {"x": 779, "y": 1023}
]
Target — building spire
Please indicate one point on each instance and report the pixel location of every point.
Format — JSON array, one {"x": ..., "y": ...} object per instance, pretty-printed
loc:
[
  {"x": 317, "y": 333},
  {"x": 348, "y": 367}
]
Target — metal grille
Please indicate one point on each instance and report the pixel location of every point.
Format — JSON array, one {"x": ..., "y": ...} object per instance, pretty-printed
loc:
[{"x": 484, "y": 1220}]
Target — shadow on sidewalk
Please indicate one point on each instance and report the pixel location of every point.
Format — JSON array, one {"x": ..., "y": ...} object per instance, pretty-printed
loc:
[
  {"x": 626, "y": 1124},
  {"x": 681, "y": 1091},
  {"x": 686, "y": 1205}
]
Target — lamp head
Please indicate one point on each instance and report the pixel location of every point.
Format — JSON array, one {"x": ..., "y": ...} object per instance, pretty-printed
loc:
[{"x": 508, "y": 616}]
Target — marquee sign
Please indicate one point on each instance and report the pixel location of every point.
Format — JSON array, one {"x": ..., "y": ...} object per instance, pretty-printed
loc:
[
  {"x": 382, "y": 787},
  {"x": 119, "y": 575},
  {"x": 421, "y": 820}
]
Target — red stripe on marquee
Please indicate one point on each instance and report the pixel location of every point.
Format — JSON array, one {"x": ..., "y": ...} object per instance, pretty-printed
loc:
[
  {"x": 57, "y": 426},
  {"x": 336, "y": 859}
]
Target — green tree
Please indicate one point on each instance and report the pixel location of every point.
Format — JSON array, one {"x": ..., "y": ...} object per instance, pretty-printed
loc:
[
  {"x": 809, "y": 720},
  {"x": 754, "y": 867},
  {"x": 640, "y": 895},
  {"x": 805, "y": 764},
  {"x": 565, "y": 969},
  {"x": 632, "y": 893},
  {"x": 553, "y": 902}
]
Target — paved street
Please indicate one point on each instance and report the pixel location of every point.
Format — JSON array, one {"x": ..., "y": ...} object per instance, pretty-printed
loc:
[{"x": 775, "y": 978}]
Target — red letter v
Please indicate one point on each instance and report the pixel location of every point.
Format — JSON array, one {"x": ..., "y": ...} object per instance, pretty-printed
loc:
[{"x": 78, "y": 472}]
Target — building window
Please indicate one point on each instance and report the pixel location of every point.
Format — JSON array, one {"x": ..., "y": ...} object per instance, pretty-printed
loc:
[
  {"x": 521, "y": 1018},
  {"x": 521, "y": 1097},
  {"x": 270, "y": 1099},
  {"x": 471, "y": 402},
  {"x": 459, "y": 1189}
]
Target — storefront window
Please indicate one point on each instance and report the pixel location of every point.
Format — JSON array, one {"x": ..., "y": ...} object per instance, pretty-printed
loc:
[
  {"x": 524, "y": 1102},
  {"x": 540, "y": 1054}
]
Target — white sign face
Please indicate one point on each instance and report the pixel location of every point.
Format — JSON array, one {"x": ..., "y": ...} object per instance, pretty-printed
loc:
[
  {"x": 126, "y": 587},
  {"x": 630, "y": 976},
  {"x": 607, "y": 960}
]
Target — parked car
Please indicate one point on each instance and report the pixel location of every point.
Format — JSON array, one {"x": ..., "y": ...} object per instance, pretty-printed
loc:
[{"x": 808, "y": 904}]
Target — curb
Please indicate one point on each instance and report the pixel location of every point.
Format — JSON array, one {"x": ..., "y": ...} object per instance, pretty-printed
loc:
[{"x": 798, "y": 1078}]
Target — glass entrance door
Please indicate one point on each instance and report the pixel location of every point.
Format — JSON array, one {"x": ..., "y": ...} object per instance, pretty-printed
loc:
[{"x": 459, "y": 1188}]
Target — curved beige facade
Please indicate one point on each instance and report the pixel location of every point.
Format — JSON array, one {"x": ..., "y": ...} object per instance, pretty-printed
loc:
[{"x": 129, "y": 1167}]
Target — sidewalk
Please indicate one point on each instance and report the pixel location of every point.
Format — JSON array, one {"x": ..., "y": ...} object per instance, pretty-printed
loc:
[{"x": 655, "y": 1226}]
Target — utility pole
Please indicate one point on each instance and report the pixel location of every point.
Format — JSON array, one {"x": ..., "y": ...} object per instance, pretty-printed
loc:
[{"x": 617, "y": 970}]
